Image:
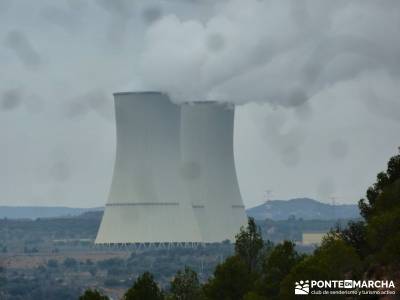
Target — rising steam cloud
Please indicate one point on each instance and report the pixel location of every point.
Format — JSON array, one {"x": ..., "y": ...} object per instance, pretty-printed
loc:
[{"x": 281, "y": 52}]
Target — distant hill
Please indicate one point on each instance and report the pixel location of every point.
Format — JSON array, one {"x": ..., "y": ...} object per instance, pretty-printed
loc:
[
  {"x": 305, "y": 208},
  {"x": 34, "y": 212}
]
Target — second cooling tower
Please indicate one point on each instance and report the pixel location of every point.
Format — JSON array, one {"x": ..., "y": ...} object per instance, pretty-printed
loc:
[
  {"x": 209, "y": 171},
  {"x": 174, "y": 174}
]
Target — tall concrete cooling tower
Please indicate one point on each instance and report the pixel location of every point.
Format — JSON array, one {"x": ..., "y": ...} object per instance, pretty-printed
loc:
[
  {"x": 209, "y": 169},
  {"x": 146, "y": 202},
  {"x": 174, "y": 175}
]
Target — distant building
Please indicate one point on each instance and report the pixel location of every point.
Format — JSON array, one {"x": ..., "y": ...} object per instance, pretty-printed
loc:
[{"x": 312, "y": 238}]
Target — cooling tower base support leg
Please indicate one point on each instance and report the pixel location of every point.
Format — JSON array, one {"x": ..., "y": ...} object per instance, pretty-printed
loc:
[{"x": 144, "y": 246}]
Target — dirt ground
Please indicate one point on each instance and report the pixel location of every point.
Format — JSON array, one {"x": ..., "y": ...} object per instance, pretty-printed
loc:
[{"x": 28, "y": 261}]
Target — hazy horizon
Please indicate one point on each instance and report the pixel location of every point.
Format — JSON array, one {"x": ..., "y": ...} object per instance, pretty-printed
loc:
[{"x": 102, "y": 206}]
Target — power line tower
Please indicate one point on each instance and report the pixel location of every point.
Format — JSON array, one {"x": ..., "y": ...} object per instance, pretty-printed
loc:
[
  {"x": 267, "y": 195},
  {"x": 333, "y": 204}
]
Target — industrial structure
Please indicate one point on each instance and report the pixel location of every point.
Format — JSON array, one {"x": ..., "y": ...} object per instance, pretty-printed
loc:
[{"x": 174, "y": 176}]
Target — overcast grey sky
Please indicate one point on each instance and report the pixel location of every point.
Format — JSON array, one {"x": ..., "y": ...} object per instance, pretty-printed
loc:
[{"x": 317, "y": 85}]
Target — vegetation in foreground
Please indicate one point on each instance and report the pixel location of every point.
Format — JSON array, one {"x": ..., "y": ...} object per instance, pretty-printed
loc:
[{"x": 258, "y": 270}]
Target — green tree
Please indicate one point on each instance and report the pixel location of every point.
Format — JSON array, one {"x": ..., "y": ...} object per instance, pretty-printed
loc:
[
  {"x": 144, "y": 288},
  {"x": 185, "y": 285},
  {"x": 355, "y": 235},
  {"x": 382, "y": 196},
  {"x": 332, "y": 260},
  {"x": 52, "y": 263},
  {"x": 231, "y": 280},
  {"x": 93, "y": 295},
  {"x": 249, "y": 244},
  {"x": 3, "y": 282},
  {"x": 253, "y": 296},
  {"x": 278, "y": 264},
  {"x": 70, "y": 262},
  {"x": 93, "y": 271},
  {"x": 383, "y": 235},
  {"x": 381, "y": 210}
]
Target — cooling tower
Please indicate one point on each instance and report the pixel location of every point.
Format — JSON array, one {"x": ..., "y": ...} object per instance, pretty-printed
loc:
[
  {"x": 174, "y": 175},
  {"x": 209, "y": 171},
  {"x": 146, "y": 201}
]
